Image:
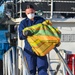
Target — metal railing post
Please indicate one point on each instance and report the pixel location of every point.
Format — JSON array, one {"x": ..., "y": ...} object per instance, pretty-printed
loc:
[
  {"x": 3, "y": 65},
  {"x": 16, "y": 63},
  {"x": 10, "y": 63},
  {"x": 6, "y": 63},
  {"x": 9, "y": 72},
  {"x": 20, "y": 9},
  {"x": 51, "y": 9},
  {"x": 13, "y": 55}
]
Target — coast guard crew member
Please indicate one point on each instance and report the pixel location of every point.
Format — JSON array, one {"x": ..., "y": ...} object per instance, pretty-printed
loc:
[{"x": 32, "y": 59}]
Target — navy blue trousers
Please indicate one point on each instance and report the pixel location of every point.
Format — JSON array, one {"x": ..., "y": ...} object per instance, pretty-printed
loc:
[{"x": 36, "y": 61}]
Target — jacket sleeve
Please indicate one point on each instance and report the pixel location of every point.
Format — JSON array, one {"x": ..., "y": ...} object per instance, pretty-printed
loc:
[{"x": 21, "y": 27}]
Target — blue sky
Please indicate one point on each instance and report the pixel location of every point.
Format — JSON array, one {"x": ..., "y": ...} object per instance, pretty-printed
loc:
[{"x": 2, "y": 8}]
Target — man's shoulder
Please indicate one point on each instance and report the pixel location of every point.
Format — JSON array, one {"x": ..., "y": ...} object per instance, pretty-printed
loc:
[
  {"x": 24, "y": 20},
  {"x": 38, "y": 17}
]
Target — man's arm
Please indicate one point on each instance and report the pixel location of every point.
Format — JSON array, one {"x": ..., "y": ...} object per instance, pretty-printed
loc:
[{"x": 21, "y": 27}]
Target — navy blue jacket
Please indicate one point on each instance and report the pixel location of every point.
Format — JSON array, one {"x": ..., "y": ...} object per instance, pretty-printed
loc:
[{"x": 26, "y": 23}]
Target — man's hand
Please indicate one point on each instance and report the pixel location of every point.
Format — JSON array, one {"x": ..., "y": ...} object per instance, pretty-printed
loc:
[
  {"x": 57, "y": 45},
  {"x": 27, "y": 33}
]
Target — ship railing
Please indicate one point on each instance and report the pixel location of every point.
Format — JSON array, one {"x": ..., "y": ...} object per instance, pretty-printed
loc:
[
  {"x": 36, "y": 0},
  {"x": 47, "y": 14},
  {"x": 11, "y": 62},
  {"x": 63, "y": 61}
]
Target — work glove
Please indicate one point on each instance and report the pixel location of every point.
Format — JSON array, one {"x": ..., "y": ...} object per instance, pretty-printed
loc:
[
  {"x": 27, "y": 33},
  {"x": 57, "y": 45}
]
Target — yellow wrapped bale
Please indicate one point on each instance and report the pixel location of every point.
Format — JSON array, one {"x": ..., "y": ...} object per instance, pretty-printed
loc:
[{"x": 45, "y": 37}]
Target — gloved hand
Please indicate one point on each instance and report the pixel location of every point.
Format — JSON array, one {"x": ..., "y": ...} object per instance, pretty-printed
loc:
[
  {"x": 27, "y": 33},
  {"x": 57, "y": 45}
]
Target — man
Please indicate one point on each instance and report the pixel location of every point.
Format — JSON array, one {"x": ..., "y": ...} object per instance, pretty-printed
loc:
[{"x": 32, "y": 59}]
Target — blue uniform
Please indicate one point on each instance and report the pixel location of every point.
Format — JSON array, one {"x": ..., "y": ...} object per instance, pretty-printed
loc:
[{"x": 32, "y": 59}]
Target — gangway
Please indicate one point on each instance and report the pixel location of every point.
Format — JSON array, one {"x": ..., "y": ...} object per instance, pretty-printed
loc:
[{"x": 11, "y": 61}]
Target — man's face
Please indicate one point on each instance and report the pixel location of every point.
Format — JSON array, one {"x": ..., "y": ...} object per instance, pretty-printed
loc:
[{"x": 29, "y": 11}]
